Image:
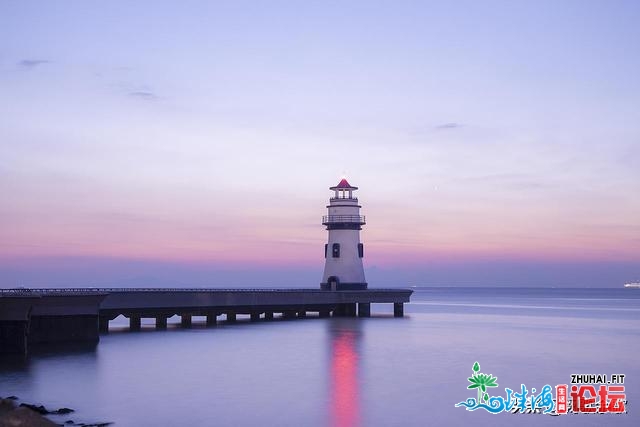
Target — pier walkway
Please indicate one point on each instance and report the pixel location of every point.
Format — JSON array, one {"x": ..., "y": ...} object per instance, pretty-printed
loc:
[{"x": 30, "y": 316}]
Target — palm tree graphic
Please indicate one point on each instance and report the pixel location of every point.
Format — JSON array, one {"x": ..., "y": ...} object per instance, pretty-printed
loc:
[{"x": 481, "y": 381}]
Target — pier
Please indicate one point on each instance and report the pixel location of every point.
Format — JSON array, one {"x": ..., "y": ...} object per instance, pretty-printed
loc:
[{"x": 34, "y": 316}]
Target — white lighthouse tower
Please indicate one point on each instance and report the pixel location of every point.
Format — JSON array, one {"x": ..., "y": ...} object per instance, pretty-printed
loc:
[{"x": 343, "y": 252}]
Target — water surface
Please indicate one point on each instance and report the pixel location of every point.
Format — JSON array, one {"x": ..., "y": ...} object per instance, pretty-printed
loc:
[{"x": 379, "y": 371}]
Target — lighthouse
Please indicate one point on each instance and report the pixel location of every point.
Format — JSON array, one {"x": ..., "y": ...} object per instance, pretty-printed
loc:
[{"x": 343, "y": 252}]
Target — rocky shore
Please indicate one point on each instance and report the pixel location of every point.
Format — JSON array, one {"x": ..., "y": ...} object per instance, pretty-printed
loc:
[{"x": 14, "y": 414}]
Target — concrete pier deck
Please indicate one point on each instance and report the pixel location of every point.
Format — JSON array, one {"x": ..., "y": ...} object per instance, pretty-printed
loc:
[{"x": 80, "y": 314}]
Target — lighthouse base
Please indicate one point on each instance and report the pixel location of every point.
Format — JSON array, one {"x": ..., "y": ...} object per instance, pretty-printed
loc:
[{"x": 343, "y": 286}]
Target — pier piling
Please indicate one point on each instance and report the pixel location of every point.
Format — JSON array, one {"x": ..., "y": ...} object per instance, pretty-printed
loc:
[
  {"x": 398, "y": 309},
  {"x": 161, "y": 322},
  {"x": 185, "y": 320},
  {"x": 134, "y": 322},
  {"x": 345, "y": 310},
  {"x": 212, "y": 319},
  {"x": 103, "y": 325},
  {"x": 364, "y": 309}
]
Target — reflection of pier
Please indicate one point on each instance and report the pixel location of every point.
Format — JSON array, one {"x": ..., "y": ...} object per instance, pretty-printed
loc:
[
  {"x": 345, "y": 399},
  {"x": 56, "y": 315}
]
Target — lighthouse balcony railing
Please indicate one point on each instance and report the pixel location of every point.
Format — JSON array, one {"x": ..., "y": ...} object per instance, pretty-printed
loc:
[
  {"x": 344, "y": 199},
  {"x": 333, "y": 219}
]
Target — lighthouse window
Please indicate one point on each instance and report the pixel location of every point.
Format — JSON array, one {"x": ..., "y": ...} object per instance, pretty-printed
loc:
[
  {"x": 336, "y": 250},
  {"x": 325, "y": 249},
  {"x": 360, "y": 250}
]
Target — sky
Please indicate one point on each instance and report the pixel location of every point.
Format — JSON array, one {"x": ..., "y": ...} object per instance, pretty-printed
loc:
[{"x": 193, "y": 143}]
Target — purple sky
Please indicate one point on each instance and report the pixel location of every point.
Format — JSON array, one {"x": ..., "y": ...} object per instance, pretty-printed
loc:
[{"x": 193, "y": 144}]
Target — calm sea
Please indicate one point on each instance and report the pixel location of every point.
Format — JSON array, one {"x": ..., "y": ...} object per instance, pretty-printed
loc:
[{"x": 378, "y": 371}]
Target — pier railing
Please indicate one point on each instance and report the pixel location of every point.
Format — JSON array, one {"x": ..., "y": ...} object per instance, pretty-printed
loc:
[{"x": 78, "y": 291}]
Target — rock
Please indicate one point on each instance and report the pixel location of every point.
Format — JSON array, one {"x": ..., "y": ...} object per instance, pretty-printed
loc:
[
  {"x": 71, "y": 422},
  {"x": 28, "y": 415},
  {"x": 6, "y": 406},
  {"x": 24, "y": 417},
  {"x": 39, "y": 409}
]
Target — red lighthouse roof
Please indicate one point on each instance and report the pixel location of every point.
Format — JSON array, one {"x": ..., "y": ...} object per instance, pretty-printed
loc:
[{"x": 343, "y": 185}]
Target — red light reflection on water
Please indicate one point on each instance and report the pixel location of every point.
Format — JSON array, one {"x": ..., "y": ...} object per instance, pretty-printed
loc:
[{"x": 344, "y": 375}]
